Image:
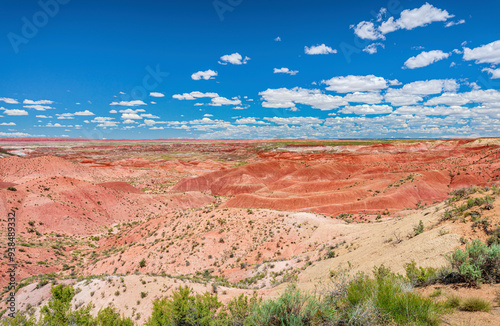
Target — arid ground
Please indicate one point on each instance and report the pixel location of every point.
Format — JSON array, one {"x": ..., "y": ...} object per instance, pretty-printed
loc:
[{"x": 129, "y": 221}]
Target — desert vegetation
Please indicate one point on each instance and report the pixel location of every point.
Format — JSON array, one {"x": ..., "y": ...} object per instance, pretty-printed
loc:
[
  {"x": 383, "y": 298},
  {"x": 264, "y": 233}
]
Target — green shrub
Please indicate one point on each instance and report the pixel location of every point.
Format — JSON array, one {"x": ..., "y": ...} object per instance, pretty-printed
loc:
[
  {"x": 110, "y": 317},
  {"x": 389, "y": 297},
  {"x": 437, "y": 292},
  {"x": 42, "y": 283},
  {"x": 419, "y": 229},
  {"x": 239, "y": 309},
  {"x": 475, "y": 304},
  {"x": 409, "y": 308},
  {"x": 420, "y": 276},
  {"x": 494, "y": 238},
  {"x": 448, "y": 215},
  {"x": 453, "y": 302},
  {"x": 184, "y": 308},
  {"x": 460, "y": 194},
  {"x": 58, "y": 311},
  {"x": 19, "y": 320},
  {"x": 386, "y": 298},
  {"x": 477, "y": 263},
  {"x": 292, "y": 308}
]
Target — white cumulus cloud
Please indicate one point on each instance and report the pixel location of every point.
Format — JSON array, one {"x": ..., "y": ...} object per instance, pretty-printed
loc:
[
  {"x": 8, "y": 100},
  {"x": 319, "y": 49},
  {"x": 365, "y": 109},
  {"x": 285, "y": 71},
  {"x": 38, "y": 107},
  {"x": 156, "y": 94},
  {"x": 14, "y": 112},
  {"x": 364, "y": 97},
  {"x": 42, "y": 102},
  {"x": 433, "y": 86},
  {"x": 283, "y": 98},
  {"x": 295, "y": 120},
  {"x": 367, "y": 30},
  {"x": 453, "y": 23},
  {"x": 372, "y": 48},
  {"x": 18, "y": 134},
  {"x": 84, "y": 113},
  {"x": 414, "y": 92},
  {"x": 65, "y": 116},
  {"x": 422, "y": 16},
  {"x": 132, "y": 111},
  {"x": 235, "y": 59},
  {"x": 495, "y": 73},
  {"x": 251, "y": 120},
  {"x": 193, "y": 95},
  {"x": 398, "y": 98},
  {"x": 425, "y": 58},
  {"x": 209, "y": 74},
  {"x": 347, "y": 84},
  {"x": 448, "y": 99},
  {"x": 409, "y": 19},
  {"x": 218, "y": 101},
  {"x": 104, "y": 122},
  {"x": 489, "y": 53},
  {"x": 128, "y": 103},
  {"x": 149, "y": 116},
  {"x": 206, "y": 75}
]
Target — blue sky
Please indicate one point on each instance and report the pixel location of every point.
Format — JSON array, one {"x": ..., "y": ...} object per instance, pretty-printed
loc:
[{"x": 249, "y": 69}]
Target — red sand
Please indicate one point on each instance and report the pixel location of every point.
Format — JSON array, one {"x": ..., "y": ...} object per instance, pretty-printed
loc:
[
  {"x": 361, "y": 179},
  {"x": 121, "y": 186},
  {"x": 4, "y": 185}
]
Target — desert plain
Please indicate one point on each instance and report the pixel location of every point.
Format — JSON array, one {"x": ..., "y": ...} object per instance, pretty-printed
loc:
[{"x": 126, "y": 222}]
